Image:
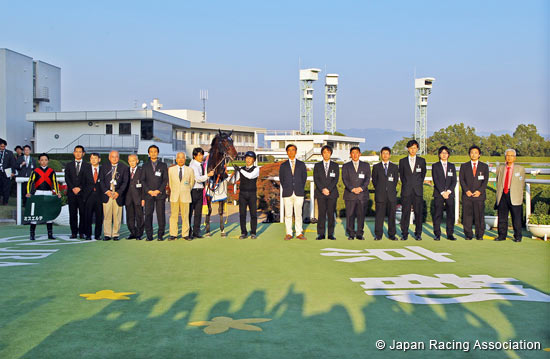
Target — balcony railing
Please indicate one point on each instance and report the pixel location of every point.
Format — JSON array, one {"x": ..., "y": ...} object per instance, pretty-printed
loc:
[{"x": 102, "y": 143}]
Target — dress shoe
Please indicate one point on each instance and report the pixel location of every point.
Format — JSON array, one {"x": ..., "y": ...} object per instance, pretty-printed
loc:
[
  {"x": 243, "y": 236},
  {"x": 517, "y": 239},
  {"x": 88, "y": 238},
  {"x": 82, "y": 236},
  {"x": 172, "y": 238},
  {"x": 404, "y": 238},
  {"x": 468, "y": 239},
  {"x": 288, "y": 237},
  {"x": 392, "y": 238},
  {"x": 197, "y": 236},
  {"x": 138, "y": 238},
  {"x": 160, "y": 238},
  {"x": 499, "y": 239},
  {"x": 106, "y": 238},
  {"x": 131, "y": 237},
  {"x": 377, "y": 238},
  {"x": 480, "y": 239},
  {"x": 301, "y": 236},
  {"x": 350, "y": 238},
  {"x": 149, "y": 239},
  {"x": 320, "y": 237},
  {"x": 361, "y": 238},
  {"x": 451, "y": 238},
  {"x": 418, "y": 238},
  {"x": 437, "y": 238},
  {"x": 116, "y": 238},
  {"x": 188, "y": 238},
  {"x": 252, "y": 236},
  {"x": 331, "y": 237},
  {"x": 73, "y": 236}
]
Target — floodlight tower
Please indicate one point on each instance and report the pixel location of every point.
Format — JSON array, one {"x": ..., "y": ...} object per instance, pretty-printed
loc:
[
  {"x": 307, "y": 77},
  {"x": 422, "y": 89},
  {"x": 331, "y": 85}
]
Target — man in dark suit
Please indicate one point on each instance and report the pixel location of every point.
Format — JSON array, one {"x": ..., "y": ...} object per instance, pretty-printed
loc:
[
  {"x": 155, "y": 178},
  {"x": 444, "y": 177},
  {"x": 385, "y": 176},
  {"x": 356, "y": 178},
  {"x": 25, "y": 164},
  {"x": 412, "y": 171},
  {"x": 7, "y": 171},
  {"x": 93, "y": 198},
  {"x": 293, "y": 177},
  {"x": 325, "y": 177},
  {"x": 134, "y": 200},
  {"x": 474, "y": 176},
  {"x": 73, "y": 177},
  {"x": 114, "y": 180}
]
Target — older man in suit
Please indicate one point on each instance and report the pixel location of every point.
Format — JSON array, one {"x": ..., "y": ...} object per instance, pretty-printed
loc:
[
  {"x": 155, "y": 179},
  {"x": 356, "y": 178},
  {"x": 444, "y": 177},
  {"x": 134, "y": 200},
  {"x": 473, "y": 177},
  {"x": 510, "y": 186},
  {"x": 181, "y": 179},
  {"x": 114, "y": 180},
  {"x": 293, "y": 177},
  {"x": 385, "y": 176},
  {"x": 325, "y": 176}
]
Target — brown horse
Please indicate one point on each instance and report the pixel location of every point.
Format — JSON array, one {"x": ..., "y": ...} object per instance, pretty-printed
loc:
[{"x": 221, "y": 153}]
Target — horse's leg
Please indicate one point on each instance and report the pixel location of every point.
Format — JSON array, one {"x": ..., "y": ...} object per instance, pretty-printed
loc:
[
  {"x": 220, "y": 212},
  {"x": 207, "y": 219}
]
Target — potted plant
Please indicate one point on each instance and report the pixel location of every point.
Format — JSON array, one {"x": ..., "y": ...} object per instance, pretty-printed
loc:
[{"x": 538, "y": 222}]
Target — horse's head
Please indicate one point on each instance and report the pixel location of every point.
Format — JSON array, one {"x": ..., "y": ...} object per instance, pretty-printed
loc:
[{"x": 224, "y": 144}]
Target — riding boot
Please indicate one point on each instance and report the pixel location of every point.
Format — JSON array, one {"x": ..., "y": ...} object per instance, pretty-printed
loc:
[
  {"x": 33, "y": 231},
  {"x": 50, "y": 230}
]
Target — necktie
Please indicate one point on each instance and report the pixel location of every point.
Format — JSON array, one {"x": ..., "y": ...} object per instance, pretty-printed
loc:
[
  {"x": 475, "y": 168},
  {"x": 113, "y": 178},
  {"x": 95, "y": 176},
  {"x": 181, "y": 174},
  {"x": 202, "y": 170},
  {"x": 445, "y": 170},
  {"x": 77, "y": 167},
  {"x": 2, "y": 158},
  {"x": 507, "y": 180},
  {"x": 386, "y": 169},
  {"x": 411, "y": 163},
  {"x": 356, "y": 165},
  {"x": 133, "y": 172},
  {"x": 154, "y": 166},
  {"x": 292, "y": 165},
  {"x": 326, "y": 169}
]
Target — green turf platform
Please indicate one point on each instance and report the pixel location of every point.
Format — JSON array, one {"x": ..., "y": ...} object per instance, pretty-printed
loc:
[{"x": 311, "y": 307}]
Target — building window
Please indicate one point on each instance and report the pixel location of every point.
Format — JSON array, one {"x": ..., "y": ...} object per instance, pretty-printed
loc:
[
  {"x": 109, "y": 129},
  {"x": 147, "y": 130},
  {"x": 124, "y": 128}
]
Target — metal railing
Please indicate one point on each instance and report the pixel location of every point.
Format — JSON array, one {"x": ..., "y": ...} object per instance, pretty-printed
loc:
[{"x": 101, "y": 142}]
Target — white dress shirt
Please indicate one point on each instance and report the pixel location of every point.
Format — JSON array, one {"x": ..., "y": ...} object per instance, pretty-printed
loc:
[{"x": 196, "y": 166}]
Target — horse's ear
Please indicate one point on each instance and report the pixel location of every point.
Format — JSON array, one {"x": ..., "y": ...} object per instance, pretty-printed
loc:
[
  {"x": 230, "y": 133},
  {"x": 220, "y": 131}
]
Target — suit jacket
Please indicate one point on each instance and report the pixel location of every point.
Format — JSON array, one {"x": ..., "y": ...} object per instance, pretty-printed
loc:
[
  {"x": 384, "y": 189},
  {"x": 293, "y": 183},
  {"x": 442, "y": 183},
  {"x": 152, "y": 181},
  {"x": 469, "y": 183},
  {"x": 323, "y": 181},
  {"x": 412, "y": 182},
  {"x": 352, "y": 179},
  {"x": 88, "y": 184},
  {"x": 8, "y": 160},
  {"x": 72, "y": 179},
  {"x": 25, "y": 170},
  {"x": 180, "y": 191},
  {"x": 517, "y": 184},
  {"x": 121, "y": 179},
  {"x": 134, "y": 192}
]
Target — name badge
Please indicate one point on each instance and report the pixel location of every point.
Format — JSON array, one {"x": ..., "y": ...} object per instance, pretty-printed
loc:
[
  {"x": 157, "y": 173},
  {"x": 390, "y": 179},
  {"x": 450, "y": 173},
  {"x": 521, "y": 178},
  {"x": 332, "y": 174},
  {"x": 361, "y": 175},
  {"x": 481, "y": 177},
  {"x": 418, "y": 169},
  {"x": 138, "y": 185},
  {"x": 186, "y": 183}
]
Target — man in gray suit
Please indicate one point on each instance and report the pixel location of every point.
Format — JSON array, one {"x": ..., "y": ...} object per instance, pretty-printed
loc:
[{"x": 510, "y": 185}]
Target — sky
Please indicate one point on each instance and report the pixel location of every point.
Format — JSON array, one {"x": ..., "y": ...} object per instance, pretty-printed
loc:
[{"x": 490, "y": 58}]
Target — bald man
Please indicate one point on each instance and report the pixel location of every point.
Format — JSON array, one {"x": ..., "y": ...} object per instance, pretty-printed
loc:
[
  {"x": 114, "y": 180},
  {"x": 181, "y": 179}
]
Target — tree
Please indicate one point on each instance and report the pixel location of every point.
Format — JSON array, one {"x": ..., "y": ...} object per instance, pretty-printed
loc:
[
  {"x": 494, "y": 145},
  {"x": 400, "y": 147},
  {"x": 457, "y": 137},
  {"x": 529, "y": 142}
]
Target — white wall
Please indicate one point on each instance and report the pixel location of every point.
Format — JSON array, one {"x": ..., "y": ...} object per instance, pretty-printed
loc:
[{"x": 49, "y": 76}]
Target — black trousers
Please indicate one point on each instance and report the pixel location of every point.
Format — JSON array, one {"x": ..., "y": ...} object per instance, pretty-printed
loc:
[
  {"x": 505, "y": 205},
  {"x": 93, "y": 210},
  {"x": 24, "y": 191},
  {"x": 150, "y": 206},
  {"x": 135, "y": 218},
  {"x": 417, "y": 203},
  {"x": 441, "y": 204},
  {"x": 384, "y": 209},
  {"x": 76, "y": 214},
  {"x": 195, "y": 208},
  {"x": 473, "y": 212},
  {"x": 5, "y": 187},
  {"x": 355, "y": 209},
  {"x": 326, "y": 208},
  {"x": 248, "y": 199}
]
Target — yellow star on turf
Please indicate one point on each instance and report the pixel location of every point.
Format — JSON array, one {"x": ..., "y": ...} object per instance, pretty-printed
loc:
[
  {"x": 222, "y": 324},
  {"x": 107, "y": 294}
]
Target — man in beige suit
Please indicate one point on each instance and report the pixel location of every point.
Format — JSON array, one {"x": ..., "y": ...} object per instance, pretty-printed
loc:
[
  {"x": 510, "y": 185},
  {"x": 181, "y": 180}
]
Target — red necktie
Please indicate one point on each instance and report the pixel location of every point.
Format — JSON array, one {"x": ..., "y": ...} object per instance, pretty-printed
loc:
[
  {"x": 475, "y": 167},
  {"x": 507, "y": 180},
  {"x": 95, "y": 176}
]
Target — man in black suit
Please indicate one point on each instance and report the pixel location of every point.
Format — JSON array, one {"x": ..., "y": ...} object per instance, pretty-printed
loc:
[
  {"x": 412, "y": 171},
  {"x": 73, "y": 177},
  {"x": 25, "y": 164},
  {"x": 444, "y": 177},
  {"x": 155, "y": 178},
  {"x": 474, "y": 176},
  {"x": 325, "y": 177},
  {"x": 293, "y": 177},
  {"x": 114, "y": 180},
  {"x": 93, "y": 198},
  {"x": 7, "y": 171},
  {"x": 385, "y": 176},
  {"x": 356, "y": 178},
  {"x": 134, "y": 200}
]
